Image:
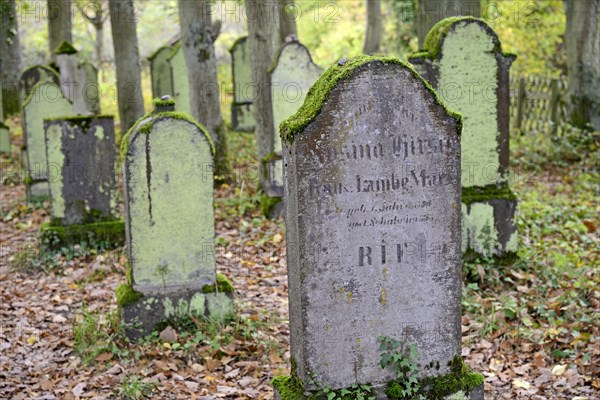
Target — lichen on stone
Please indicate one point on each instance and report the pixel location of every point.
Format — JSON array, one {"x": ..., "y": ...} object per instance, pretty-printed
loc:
[
  {"x": 126, "y": 295},
  {"x": 222, "y": 285},
  {"x": 474, "y": 194}
]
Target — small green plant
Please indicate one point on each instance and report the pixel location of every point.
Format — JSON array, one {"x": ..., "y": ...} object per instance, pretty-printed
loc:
[
  {"x": 95, "y": 334},
  {"x": 354, "y": 392},
  {"x": 134, "y": 388},
  {"x": 406, "y": 384}
]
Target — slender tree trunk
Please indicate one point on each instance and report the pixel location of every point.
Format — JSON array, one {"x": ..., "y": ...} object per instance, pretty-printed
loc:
[
  {"x": 430, "y": 12},
  {"x": 263, "y": 39},
  {"x": 287, "y": 19},
  {"x": 10, "y": 57},
  {"x": 99, "y": 45},
  {"x": 127, "y": 61},
  {"x": 59, "y": 24},
  {"x": 373, "y": 36},
  {"x": 199, "y": 52},
  {"x": 583, "y": 62}
]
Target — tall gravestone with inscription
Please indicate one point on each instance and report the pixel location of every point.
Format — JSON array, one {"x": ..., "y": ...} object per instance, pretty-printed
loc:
[
  {"x": 45, "y": 101},
  {"x": 169, "y": 220},
  {"x": 160, "y": 72},
  {"x": 463, "y": 60},
  {"x": 83, "y": 190},
  {"x": 242, "y": 115},
  {"x": 372, "y": 185},
  {"x": 292, "y": 74}
]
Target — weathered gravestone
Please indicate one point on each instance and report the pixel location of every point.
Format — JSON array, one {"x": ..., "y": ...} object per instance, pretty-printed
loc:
[
  {"x": 81, "y": 174},
  {"x": 66, "y": 59},
  {"x": 32, "y": 76},
  {"x": 160, "y": 72},
  {"x": 465, "y": 63},
  {"x": 242, "y": 114},
  {"x": 87, "y": 96},
  {"x": 45, "y": 101},
  {"x": 292, "y": 75},
  {"x": 169, "y": 217},
  {"x": 179, "y": 79},
  {"x": 372, "y": 182},
  {"x": 4, "y": 132}
]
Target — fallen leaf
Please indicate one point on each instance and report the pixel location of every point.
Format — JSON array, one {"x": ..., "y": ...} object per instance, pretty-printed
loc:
[{"x": 558, "y": 370}]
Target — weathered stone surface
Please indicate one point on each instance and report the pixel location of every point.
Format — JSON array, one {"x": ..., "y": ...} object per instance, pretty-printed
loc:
[
  {"x": 242, "y": 116},
  {"x": 67, "y": 64},
  {"x": 87, "y": 95},
  {"x": 373, "y": 224},
  {"x": 160, "y": 72},
  {"x": 45, "y": 101},
  {"x": 33, "y": 75},
  {"x": 465, "y": 63},
  {"x": 168, "y": 181},
  {"x": 179, "y": 79},
  {"x": 81, "y": 169}
]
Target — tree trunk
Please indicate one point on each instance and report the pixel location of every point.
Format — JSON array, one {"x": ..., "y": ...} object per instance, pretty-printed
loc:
[
  {"x": 127, "y": 62},
  {"x": 59, "y": 24},
  {"x": 99, "y": 45},
  {"x": 263, "y": 39},
  {"x": 373, "y": 36},
  {"x": 287, "y": 19},
  {"x": 582, "y": 39},
  {"x": 199, "y": 52},
  {"x": 430, "y": 12},
  {"x": 10, "y": 57}
]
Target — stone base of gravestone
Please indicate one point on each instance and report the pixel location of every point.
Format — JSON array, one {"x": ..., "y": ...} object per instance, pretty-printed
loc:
[
  {"x": 4, "y": 139},
  {"x": 109, "y": 234},
  {"x": 144, "y": 313},
  {"x": 242, "y": 117},
  {"x": 488, "y": 226}
]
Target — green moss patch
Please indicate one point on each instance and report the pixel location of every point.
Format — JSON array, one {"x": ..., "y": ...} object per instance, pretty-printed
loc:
[
  {"x": 475, "y": 194},
  {"x": 222, "y": 285},
  {"x": 126, "y": 295},
  {"x": 460, "y": 378},
  {"x": 289, "y": 387},
  {"x": 111, "y": 233},
  {"x": 158, "y": 102},
  {"x": 319, "y": 93},
  {"x": 267, "y": 204},
  {"x": 65, "y": 48}
]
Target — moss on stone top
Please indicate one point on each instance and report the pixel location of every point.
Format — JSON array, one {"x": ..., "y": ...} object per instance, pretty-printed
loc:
[
  {"x": 47, "y": 68},
  {"x": 126, "y": 295},
  {"x": 79, "y": 118},
  {"x": 222, "y": 285},
  {"x": 319, "y": 93},
  {"x": 155, "y": 54},
  {"x": 37, "y": 86},
  {"x": 65, "y": 48},
  {"x": 237, "y": 41},
  {"x": 158, "y": 102},
  {"x": 475, "y": 194},
  {"x": 175, "y": 48}
]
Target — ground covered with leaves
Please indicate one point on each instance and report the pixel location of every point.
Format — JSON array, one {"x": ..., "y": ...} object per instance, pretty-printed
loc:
[{"x": 530, "y": 326}]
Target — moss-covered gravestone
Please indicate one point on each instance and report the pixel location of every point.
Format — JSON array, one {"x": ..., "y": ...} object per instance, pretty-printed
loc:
[
  {"x": 160, "y": 72},
  {"x": 179, "y": 79},
  {"x": 83, "y": 191},
  {"x": 170, "y": 224},
  {"x": 87, "y": 96},
  {"x": 242, "y": 116},
  {"x": 45, "y": 101},
  {"x": 34, "y": 75},
  {"x": 464, "y": 61},
  {"x": 372, "y": 188},
  {"x": 292, "y": 75}
]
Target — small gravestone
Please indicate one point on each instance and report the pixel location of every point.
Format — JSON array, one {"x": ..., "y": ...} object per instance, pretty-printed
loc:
[
  {"x": 66, "y": 59},
  {"x": 465, "y": 63},
  {"x": 87, "y": 96},
  {"x": 372, "y": 185},
  {"x": 292, "y": 75},
  {"x": 81, "y": 175},
  {"x": 34, "y": 75},
  {"x": 179, "y": 79},
  {"x": 4, "y": 131},
  {"x": 45, "y": 101},
  {"x": 160, "y": 72},
  {"x": 242, "y": 115},
  {"x": 168, "y": 190}
]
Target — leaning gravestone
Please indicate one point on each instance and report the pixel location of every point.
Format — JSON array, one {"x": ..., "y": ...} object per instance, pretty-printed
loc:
[
  {"x": 464, "y": 61},
  {"x": 168, "y": 190},
  {"x": 372, "y": 185},
  {"x": 242, "y": 115},
  {"x": 160, "y": 72},
  {"x": 66, "y": 58},
  {"x": 292, "y": 75},
  {"x": 45, "y": 101},
  {"x": 83, "y": 191},
  {"x": 34, "y": 75},
  {"x": 179, "y": 80},
  {"x": 87, "y": 96}
]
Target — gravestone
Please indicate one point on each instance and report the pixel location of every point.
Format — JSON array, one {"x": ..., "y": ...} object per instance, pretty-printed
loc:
[
  {"x": 87, "y": 95},
  {"x": 242, "y": 114},
  {"x": 168, "y": 190},
  {"x": 66, "y": 59},
  {"x": 292, "y": 75},
  {"x": 160, "y": 72},
  {"x": 45, "y": 101},
  {"x": 463, "y": 60},
  {"x": 4, "y": 131},
  {"x": 81, "y": 174},
  {"x": 33, "y": 75},
  {"x": 179, "y": 79},
  {"x": 372, "y": 189}
]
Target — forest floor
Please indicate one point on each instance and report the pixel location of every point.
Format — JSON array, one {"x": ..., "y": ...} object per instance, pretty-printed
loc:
[{"x": 531, "y": 327}]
